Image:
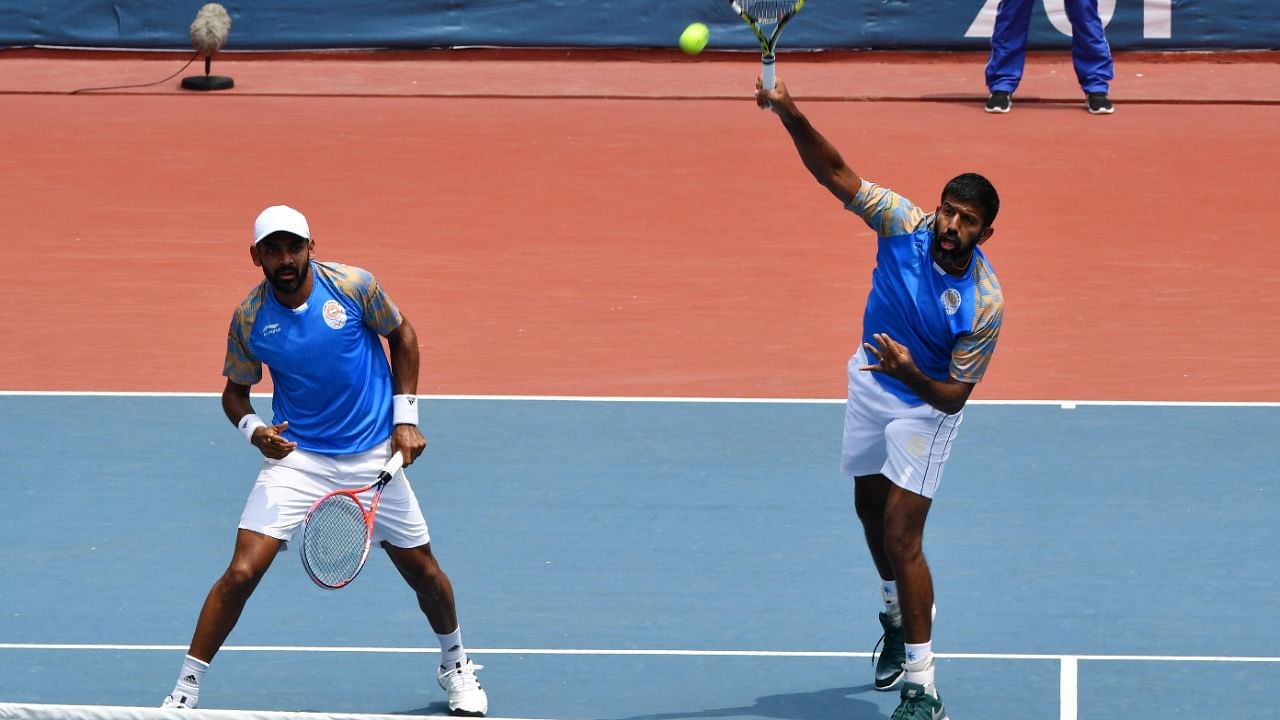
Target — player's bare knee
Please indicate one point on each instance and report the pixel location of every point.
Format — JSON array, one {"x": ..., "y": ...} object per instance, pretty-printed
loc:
[
  {"x": 418, "y": 566},
  {"x": 240, "y": 578},
  {"x": 904, "y": 546},
  {"x": 435, "y": 576}
]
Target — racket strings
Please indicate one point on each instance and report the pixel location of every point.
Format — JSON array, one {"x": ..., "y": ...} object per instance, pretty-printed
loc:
[
  {"x": 767, "y": 11},
  {"x": 335, "y": 540}
]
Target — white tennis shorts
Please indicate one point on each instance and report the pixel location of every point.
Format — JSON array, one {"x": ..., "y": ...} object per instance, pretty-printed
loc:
[
  {"x": 884, "y": 435},
  {"x": 287, "y": 488}
]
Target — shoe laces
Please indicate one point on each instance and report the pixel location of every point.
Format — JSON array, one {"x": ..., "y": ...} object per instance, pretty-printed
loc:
[
  {"x": 462, "y": 678},
  {"x": 883, "y": 641},
  {"x": 915, "y": 704},
  {"x": 907, "y": 710}
]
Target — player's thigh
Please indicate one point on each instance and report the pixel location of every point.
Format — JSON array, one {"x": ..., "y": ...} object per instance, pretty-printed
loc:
[
  {"x": 918, "y": 446},
  {"x": 418, "y": 567},
  {"x": 254, "y": 553}
]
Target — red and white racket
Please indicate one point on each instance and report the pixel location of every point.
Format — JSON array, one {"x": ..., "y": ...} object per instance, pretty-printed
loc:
[{"x": 338, "y": 531}]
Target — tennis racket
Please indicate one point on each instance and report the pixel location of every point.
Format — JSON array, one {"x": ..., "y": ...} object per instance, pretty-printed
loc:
[
  {"x": 761, "y": 15},
  {"x": 337, "y": 531}
]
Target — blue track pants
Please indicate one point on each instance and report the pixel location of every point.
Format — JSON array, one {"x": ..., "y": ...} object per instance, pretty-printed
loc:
[{"x": 1090, "y": 53}]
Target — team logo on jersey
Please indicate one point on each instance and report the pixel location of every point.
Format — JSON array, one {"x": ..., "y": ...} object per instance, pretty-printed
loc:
[
  {"x": 917, "y": 446},
  {"x": 951, "y": 300},
  {"x": 335, "y": 316}
]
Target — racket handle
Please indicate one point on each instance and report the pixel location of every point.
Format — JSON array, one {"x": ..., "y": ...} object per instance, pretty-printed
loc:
[
  {"x": 392, "y": 467},
  {"x": 766, "y": 73}
]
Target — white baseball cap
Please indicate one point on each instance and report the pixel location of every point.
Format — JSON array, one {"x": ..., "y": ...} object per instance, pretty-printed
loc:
[{"x": 280, "y": 218}]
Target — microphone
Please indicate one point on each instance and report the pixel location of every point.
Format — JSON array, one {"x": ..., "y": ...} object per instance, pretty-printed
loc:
[{"x": 208, "y": 35}]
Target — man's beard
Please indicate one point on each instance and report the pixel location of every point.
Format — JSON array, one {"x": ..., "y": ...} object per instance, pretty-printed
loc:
[
  {"x": 288, "y": 287},
  {"x": 952, "y": 260}
]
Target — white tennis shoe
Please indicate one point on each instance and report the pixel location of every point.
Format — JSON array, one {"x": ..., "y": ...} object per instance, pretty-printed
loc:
[
  {"x": 178, "y": 703},
  {"x": 466, "y": 697}
]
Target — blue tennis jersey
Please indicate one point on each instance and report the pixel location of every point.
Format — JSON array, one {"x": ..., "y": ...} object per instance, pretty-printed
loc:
[
  {"x": 950, "y": 324},
  {"x": 331, "y": 376}
]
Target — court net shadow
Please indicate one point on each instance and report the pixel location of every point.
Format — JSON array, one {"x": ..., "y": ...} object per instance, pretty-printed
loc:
[{"x": 819, "y": 705}]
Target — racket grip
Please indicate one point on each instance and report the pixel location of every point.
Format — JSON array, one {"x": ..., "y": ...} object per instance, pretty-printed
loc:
[
  {"x": 393, "y": 466},
  {"x": 766, "y": 73}
]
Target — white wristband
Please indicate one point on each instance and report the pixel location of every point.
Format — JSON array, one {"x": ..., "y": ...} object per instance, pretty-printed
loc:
[
  {"x": 404, "y": 409},
  {"x": 248, "y": 424}
]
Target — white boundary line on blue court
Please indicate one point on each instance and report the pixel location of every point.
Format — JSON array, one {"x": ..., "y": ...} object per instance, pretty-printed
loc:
[
  {"x": 42, "y": 711},
  {"x": 1064, "y": 404},
  {"x": 1068, "y": 691},
  {"x": 670, "y": 652}
]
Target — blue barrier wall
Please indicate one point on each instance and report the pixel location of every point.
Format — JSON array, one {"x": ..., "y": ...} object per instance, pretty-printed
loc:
[{"x": 824, "y": 24}]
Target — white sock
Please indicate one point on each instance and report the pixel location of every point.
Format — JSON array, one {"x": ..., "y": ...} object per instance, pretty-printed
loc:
[
  {"x": 451, "y": 650},
  {"x": 889, "y": 592},
  {"x": 187, "y": 689},
  {"x": 920, "y": 663}
]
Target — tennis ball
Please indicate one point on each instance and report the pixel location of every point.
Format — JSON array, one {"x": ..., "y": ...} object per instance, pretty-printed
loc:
[{"x": 694, "y": 38}]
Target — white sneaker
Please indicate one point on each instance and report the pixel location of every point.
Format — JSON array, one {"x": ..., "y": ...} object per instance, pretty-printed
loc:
[
  {"x": 466, "y": 697},
  {"x": 178, "y": 703}
]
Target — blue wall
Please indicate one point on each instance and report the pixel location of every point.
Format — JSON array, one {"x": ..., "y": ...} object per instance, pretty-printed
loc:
[{"x": 824, "y": 24}]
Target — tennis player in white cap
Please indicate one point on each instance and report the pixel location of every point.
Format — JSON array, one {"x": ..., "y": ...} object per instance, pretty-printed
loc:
[{"x": 339, "y": 411}]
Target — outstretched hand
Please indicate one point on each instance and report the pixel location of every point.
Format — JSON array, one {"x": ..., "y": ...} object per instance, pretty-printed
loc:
[{"x": 893, "y": 358}]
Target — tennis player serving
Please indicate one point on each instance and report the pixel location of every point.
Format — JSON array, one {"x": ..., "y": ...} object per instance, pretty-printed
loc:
[
  {"x": 340, "y": 413},
  {"x": 928, "y": 332}
]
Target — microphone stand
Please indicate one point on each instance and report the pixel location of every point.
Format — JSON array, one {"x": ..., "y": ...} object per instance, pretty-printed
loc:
[{"x": 207, "y": 81}]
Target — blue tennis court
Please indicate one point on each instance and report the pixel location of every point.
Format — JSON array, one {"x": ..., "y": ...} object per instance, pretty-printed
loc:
[{"x": 658, "y": 560}]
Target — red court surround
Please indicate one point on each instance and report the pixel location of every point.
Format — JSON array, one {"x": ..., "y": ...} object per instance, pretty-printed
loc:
[{"x": 630, "y": 224}]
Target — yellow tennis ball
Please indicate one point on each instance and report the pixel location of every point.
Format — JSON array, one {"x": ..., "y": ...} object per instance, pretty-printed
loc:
[{"x": 694, "y": 38}]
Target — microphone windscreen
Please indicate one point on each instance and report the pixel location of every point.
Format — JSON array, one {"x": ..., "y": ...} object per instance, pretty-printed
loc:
[{"x": 209, "y": 29}]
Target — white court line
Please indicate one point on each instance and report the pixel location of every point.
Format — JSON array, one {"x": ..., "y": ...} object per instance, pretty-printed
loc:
[
  {"x": 657, "y": 651},
  {"x": 1065, "y": 404},
  {"x": 42, "y": 711},
  {"x": 1067, "y": 691},
  {"x": 1067, "y": 695}
]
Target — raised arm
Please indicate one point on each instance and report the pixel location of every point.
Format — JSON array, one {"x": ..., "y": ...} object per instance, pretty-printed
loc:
[{"x": 818, "y": 155}]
